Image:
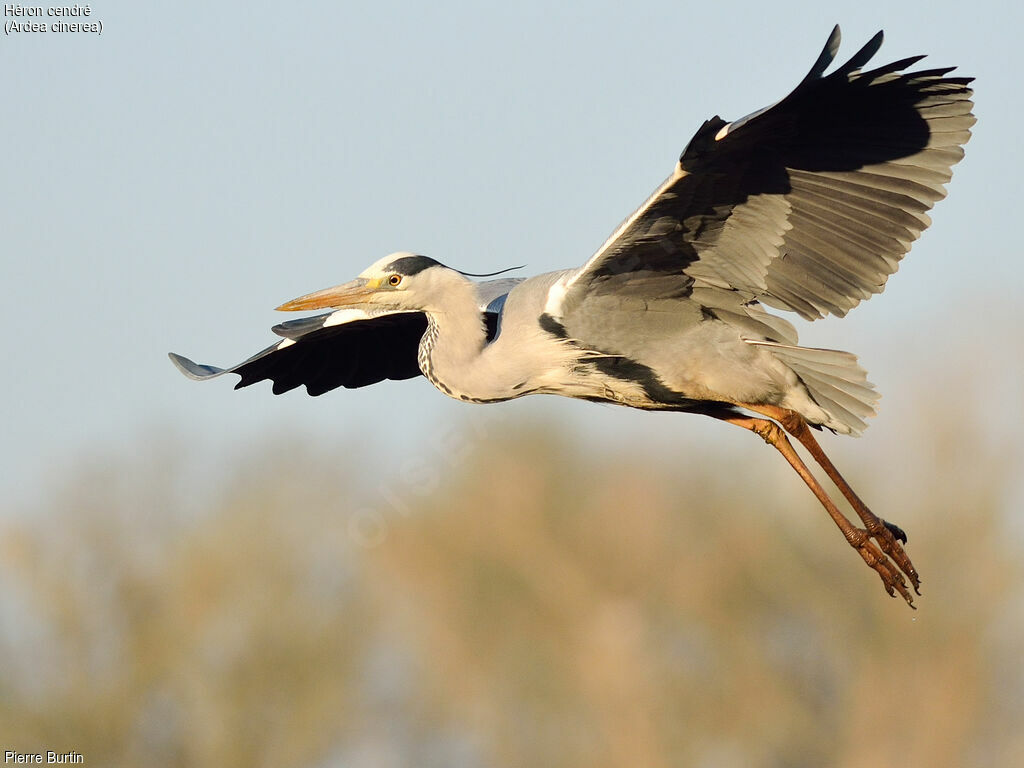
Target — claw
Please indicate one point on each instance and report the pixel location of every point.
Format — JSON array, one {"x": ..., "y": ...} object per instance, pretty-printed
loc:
[{"x": 895, "y": 530}]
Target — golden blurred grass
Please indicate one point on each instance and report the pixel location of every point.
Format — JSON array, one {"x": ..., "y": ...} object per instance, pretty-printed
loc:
[{"x": 526, "y": 604}]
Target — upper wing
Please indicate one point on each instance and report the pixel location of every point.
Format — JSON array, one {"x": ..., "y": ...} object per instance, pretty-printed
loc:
[
  {"x": 807, "y": 205},
  {"x": 347, "y": 348}
]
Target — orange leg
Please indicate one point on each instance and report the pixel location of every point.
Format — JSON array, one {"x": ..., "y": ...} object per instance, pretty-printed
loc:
[
  {"x": 882, "y": 532},
  {"x": 859, "y": 539}
]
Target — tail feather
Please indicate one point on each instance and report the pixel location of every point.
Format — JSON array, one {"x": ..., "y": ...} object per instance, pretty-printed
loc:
[
  {"x": 856, "y": 390},
  {"x": 835, "y": 382}
]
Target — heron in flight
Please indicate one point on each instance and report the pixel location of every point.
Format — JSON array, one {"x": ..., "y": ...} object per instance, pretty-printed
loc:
[{"x": 806, "y": 206}]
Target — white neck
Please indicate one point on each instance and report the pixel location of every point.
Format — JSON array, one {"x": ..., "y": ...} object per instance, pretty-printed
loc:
[{"x": 455, "y": 356}]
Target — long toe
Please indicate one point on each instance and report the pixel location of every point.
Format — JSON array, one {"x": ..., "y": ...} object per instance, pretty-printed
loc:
[
  {"x": 888, "y": 571},
  {"x": 891, "y": 543}
]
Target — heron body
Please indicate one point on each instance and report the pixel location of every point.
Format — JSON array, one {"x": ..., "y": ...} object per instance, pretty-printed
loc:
[
  {"x": 806, "y": 206},
  {"x": 676, "y": 355}
]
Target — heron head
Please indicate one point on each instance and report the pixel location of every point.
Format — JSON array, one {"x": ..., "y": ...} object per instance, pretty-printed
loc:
[{"x": 399, "y": 282}]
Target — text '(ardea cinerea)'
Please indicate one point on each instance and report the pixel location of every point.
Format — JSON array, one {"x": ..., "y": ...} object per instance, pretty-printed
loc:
[{"x": 806, "y": 206}]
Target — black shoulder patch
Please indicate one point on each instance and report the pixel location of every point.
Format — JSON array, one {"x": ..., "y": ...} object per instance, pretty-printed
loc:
[
  {"x": 552, "y": 326},
  {"x": 491, "y": 323},
  {"x": 627, "y": 369},
  {"x": 412, "y": 265}
]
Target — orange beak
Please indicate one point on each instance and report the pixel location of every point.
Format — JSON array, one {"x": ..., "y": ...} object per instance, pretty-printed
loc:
[{"x": 358, "y": 291}]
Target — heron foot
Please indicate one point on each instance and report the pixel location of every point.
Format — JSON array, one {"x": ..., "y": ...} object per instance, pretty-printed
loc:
[
  {"x": 890, "y": 539},
  {"x": 887, "y": 558}
]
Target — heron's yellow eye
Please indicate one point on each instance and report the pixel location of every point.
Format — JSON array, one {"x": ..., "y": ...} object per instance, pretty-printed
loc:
[{"x": 394, "y": 280}]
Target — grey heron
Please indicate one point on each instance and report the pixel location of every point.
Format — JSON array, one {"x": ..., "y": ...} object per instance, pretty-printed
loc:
[{"x": 806, "y": 206}]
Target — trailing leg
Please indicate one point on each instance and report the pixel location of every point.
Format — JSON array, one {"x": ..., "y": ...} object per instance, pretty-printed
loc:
[
  {"x": 888, "y": 536},
  {"x": 859, "y": 539}
]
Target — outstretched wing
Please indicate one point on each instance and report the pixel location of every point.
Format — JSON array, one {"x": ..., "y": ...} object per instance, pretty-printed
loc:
[
  {"x": 347, "y": 348},
  {"x": 807, "y": 205}
]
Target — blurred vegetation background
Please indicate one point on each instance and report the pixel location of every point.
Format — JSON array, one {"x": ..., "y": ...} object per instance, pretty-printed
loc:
[{"x": 513, "y": 599}]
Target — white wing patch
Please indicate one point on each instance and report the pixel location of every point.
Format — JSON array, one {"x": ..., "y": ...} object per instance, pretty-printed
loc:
[
  {"x": 347, "y": 315},
  {"x": 728, "y": 128},
  {"x": 556, "y": 294}
]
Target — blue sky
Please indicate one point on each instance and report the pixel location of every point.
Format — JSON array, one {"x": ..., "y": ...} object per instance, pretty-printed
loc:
[{"x": 169, "y": 182}]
